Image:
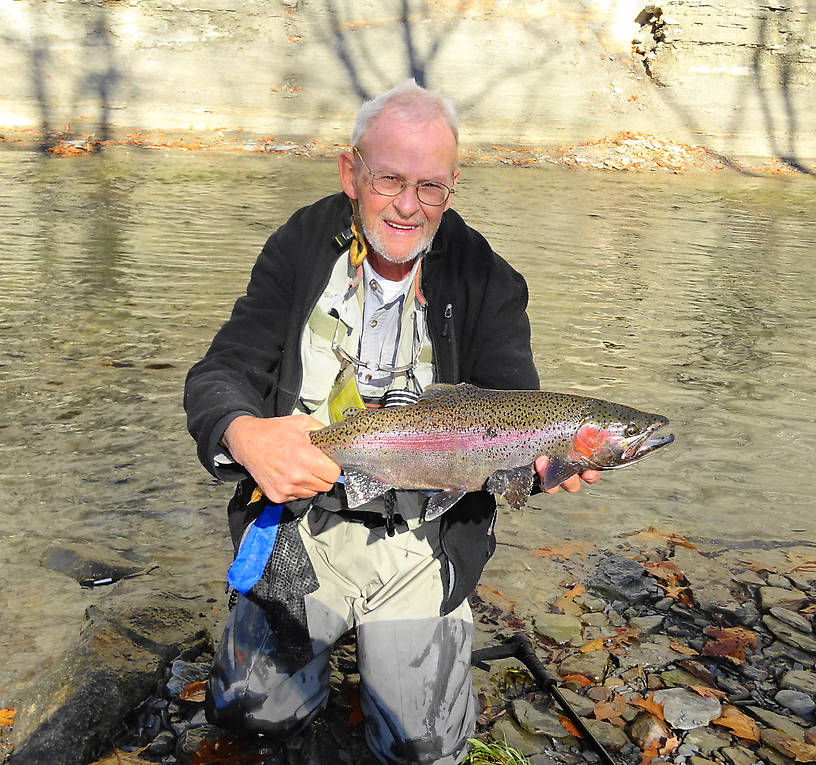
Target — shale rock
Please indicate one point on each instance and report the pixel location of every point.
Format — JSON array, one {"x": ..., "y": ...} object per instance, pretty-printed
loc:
[
  {"x": 685, "y": 710},
  {"x": 619, "y": 578},
  {"x": 79, "y": 702}
]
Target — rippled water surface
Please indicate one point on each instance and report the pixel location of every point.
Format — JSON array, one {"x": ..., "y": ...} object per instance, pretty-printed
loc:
[{"x": 687, "y": 295}]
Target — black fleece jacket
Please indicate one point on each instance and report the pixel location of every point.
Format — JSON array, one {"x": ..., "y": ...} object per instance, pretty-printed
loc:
[{"x": 477, "y": 322}]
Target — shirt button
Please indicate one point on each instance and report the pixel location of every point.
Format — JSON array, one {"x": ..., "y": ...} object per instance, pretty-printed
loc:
[
  {"x": 373, "y": 284},
  {"x": 372, "y": 323}
]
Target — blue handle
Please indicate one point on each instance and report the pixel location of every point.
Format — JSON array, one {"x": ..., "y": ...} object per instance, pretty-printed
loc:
[{"x": 250, "y": 562}]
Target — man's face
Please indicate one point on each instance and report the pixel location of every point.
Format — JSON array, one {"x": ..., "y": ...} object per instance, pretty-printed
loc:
[{"x": 400, "y": 228}]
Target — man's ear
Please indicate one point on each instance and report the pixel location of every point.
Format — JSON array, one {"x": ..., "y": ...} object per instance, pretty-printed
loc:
[
  {"x": 449, "y": 201},
  {"x": 345, "y": 165}
]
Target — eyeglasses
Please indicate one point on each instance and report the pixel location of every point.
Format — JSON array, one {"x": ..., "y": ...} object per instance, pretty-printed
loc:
[{"x": 389, "y": 185}]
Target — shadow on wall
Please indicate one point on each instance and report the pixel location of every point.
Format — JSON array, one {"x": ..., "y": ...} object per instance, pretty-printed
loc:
[
  {"x": 99, "y": 78},
  {"x": 778, "y": 60}
]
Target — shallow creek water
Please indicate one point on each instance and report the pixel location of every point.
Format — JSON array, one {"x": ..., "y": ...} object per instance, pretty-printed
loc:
[{"x": 687, "y": 295}]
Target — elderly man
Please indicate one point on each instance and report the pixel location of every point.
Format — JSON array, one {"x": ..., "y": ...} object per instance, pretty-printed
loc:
[{"x": 368, "y": 295}]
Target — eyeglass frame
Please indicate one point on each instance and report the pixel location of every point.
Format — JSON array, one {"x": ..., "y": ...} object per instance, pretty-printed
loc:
[{"x": 404, "y": 183}]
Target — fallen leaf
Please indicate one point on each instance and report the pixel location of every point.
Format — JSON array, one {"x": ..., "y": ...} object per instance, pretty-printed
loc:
[
  {"x": 663, "y": 536},
  {"x": 7, "y": 717},
  {"x": 738, "y": 723},
  {"x": 712, "y": 693},
  {"x": 730, "y": 643},
  {"x": 612, "y": 710},
  {"x": 679, "y": 647},
  {"x": 569, "y": 726},
  {"x": 649, "y": 704},
  {"x": 582, "y": 680},
  {"x": 565, "y": 550},
  {"x": 592, "y": 645},
  {"x": 650, "y": 754},
  {"x": 120, "y": 757},
  {"x": 195, "y": 692},
  {"x": 798, "y": 750},
  {"x": 495, "y": 597}
]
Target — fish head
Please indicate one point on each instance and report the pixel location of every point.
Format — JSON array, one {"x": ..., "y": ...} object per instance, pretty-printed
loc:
[{"x": 613, "y": 436}]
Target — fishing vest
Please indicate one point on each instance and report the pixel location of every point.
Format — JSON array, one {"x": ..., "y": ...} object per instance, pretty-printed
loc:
[{"x": 336, "y": 322}]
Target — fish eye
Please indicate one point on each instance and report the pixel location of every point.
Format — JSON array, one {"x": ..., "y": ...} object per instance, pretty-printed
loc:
[{"x": 631, "y": 430}]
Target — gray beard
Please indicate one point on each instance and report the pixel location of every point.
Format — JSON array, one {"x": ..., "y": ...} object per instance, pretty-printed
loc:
[{"x": 380, "y": 248}]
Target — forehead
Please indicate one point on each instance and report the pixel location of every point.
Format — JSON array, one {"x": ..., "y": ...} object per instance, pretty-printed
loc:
[{"x": 422, "y": 149}]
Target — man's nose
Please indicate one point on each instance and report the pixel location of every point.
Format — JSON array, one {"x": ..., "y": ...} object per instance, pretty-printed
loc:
[{"x": 406, "y": 202}]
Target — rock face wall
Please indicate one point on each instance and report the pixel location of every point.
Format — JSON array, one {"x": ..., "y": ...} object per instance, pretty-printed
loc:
[{"x": 733, "y": 74}]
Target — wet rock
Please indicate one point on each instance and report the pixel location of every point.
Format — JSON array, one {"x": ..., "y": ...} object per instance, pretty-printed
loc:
[
  {"x": 788, "y": 653},
  {"x": 779, "y": 722},
  {"x": 648, "y": 729},
  {"x": 685, "y": 710},
  {"x": 799, "y": 703},
  {"x": 592, "y": 665},
  {"x": 749, "y": 578},
  {"x": 799, "y": 680},
  {"x": 740, "y": 755},
  {"x": 581, "y": 704},
  {"x": 607, "y": 734},
  {"x": 735, "y": 690},
  {"x": 560, "y": 628},
  {"x": 776, "y": 580},
  {"x": 780, "y": 742},
  {"x": 619, "y": 578},
  {"x": 182, "y": 673},
  {"x": 678, "y": 678},
  {"x": 701, "y": 761},
  {"x": 164, "y": 743},
  {"x": 789, "y": 635},
  {"x": 537, "y": 720},
  {"x": 705, "y": 740},
  {"x": 88, "y": 562},
  {"x": 773, "y": 597},
  {"x": 191, "y": 741},
  {"x": 78, "y": 704},
  {"x": 526, "y": 743},
  {"x": 646, "y": 625},
  {"x": 772, "y": 757},
  {"x": 710, "y": 581},
  {"x": 792, "y": 618},
  {"x": 653, "y": 653}
]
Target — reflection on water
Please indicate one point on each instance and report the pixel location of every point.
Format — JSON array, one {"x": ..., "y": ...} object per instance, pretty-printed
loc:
[{"x": 690, "y": 296}]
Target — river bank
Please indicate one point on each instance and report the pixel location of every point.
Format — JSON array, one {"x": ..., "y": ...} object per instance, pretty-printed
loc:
[
  {"x": 624, "y": 151},
  {"x": 670, "y": 650}
]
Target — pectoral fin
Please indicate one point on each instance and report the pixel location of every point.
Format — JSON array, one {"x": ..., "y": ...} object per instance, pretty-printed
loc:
[
  {"x": 362, "y": 488},
  {"x": 440, "y": 502},
  {"x": 558, "y": 470},
  {"x": 514, "y": 484}
]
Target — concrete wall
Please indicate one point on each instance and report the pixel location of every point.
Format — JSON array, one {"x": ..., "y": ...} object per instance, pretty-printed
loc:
[{"x": 732, "y": 74}]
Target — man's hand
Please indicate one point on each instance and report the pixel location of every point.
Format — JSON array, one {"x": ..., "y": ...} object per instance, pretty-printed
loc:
[
  {"x": 278, "y": 454},
  {"x": 573, "y": 483}
]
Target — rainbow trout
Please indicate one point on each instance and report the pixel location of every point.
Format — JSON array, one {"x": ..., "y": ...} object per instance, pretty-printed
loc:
[{"x": 460, "y": 438}]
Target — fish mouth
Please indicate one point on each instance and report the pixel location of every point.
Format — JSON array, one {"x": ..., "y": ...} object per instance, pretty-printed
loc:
[{"x": 646, "y": 445}]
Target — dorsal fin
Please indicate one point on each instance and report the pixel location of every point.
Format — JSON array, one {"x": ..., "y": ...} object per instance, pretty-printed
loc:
[{"x": 441, "y": 390}]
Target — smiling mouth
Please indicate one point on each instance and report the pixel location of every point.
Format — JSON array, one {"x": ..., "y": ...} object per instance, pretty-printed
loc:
[{"x": 401, "y": 227}]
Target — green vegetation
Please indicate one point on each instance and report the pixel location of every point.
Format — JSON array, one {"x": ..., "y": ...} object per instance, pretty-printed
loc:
[{"x": 493, "y": 753}]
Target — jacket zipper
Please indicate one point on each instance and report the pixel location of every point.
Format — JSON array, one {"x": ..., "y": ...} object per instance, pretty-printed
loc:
[{"x": 449, "y": 335}]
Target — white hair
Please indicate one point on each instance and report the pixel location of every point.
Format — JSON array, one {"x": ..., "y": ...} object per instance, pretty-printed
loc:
[{"x": 409, "y": 101}]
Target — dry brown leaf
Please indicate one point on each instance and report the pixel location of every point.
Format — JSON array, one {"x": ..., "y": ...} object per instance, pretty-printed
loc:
[
  {"x": 7, "y": 717},
  {"x": 663, "y": 536},
  {"x": 565, "y": 549},
  {"x": 195, "y": 692},
  {"x": 712, "y": 693},
  {"x": 119, "y": 757},
  {"x": 495, "y": 597},
  {"x": 650, "y": 705},
  {"x": 730, "y": 643},
  {"x": 798, "y": 750},
  {"x": 569, "y": 726},
  {"x": 582, "y": 680},
  {"x": 592, "y": 645},
  {"x": 612, "y": 710},
  {"x": 648, "y": 755},
  {"x": 679, "y": 647},
  {"x": 666, "y": 570},
  {"x": 738, "y": 723}
]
